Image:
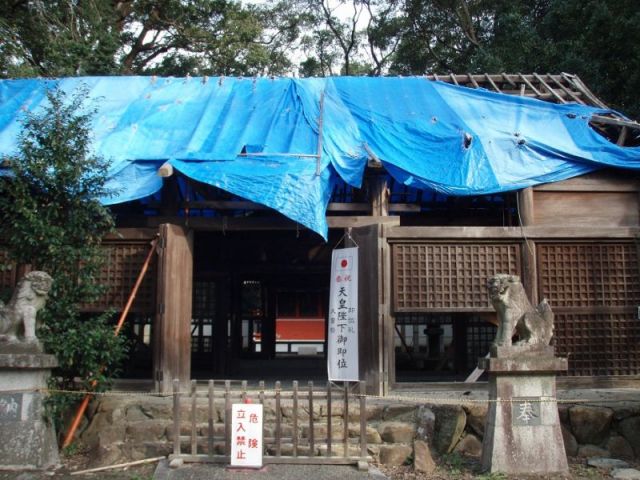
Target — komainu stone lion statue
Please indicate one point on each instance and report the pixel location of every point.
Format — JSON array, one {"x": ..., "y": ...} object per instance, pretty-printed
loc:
[
  {"x": 18, "y": 317},
  {"x": 516, "y": 315}
]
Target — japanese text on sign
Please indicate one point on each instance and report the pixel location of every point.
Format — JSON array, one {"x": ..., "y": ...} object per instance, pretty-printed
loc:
[
  {"x": 342, "y": 355},
  {"x": 246, "y": 435},
  {"x": 525, "y": 411}
]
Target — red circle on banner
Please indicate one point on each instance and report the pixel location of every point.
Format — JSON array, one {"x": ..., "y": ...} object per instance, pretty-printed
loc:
[{"x": 344, "y": 263}]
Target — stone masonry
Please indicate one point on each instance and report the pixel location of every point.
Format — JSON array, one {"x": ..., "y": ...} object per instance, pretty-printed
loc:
[{"x": 130, "y": 428}]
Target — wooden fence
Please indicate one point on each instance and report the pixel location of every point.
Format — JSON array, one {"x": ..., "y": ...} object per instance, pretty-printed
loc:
[{"x": 287, "y": 413}]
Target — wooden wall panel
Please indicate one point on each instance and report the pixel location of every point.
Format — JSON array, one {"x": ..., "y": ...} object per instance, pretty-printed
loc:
[
  {"x": 604, "y": 209},
  {"x": 122, "y": 267},
  {"x": 599, "y": 344},
  {"x": 431, "y": 277},
  {"x": 579, "y": 275},
  {"x": 594, "y": 291}
]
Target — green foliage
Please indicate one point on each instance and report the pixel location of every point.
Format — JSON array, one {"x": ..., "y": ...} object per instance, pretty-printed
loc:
[
  {"x": 52, "y": 219},
  {"x": 166, "y": 37},
  {"x": 454, "y": 463},
  {"x": 492, "y": 476},
  {"x": 590, "y": 38}
]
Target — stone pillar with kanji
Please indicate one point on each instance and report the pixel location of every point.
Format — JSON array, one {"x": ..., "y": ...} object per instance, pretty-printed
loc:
[{"x": 522, "y": 432}]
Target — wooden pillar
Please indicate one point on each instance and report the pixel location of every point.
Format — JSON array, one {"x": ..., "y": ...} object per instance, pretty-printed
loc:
[
  {"x": 387, "y": 321},
  {"x": 530, "y": 270},
  {"x": 172, "y": 329},
  {"x": 366, "y": 238},
  {"x": 373, "y": 306},
  {"x": 525, "y": 206},
  {"x": 529, "y": 273},
  {"x": 379, "y": 197}
]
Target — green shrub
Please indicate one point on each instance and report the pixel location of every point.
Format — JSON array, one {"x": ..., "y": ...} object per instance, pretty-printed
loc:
[{"x": 52, "y": 219}]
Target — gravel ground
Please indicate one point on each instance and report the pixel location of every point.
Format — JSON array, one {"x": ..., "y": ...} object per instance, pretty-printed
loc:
[
  {"x": 461, "y": 468},
  {"x": 452, "y": 467}
]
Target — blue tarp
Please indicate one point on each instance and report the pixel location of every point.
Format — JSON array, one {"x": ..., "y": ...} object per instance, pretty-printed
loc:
[{"x": 429, "y": 135}]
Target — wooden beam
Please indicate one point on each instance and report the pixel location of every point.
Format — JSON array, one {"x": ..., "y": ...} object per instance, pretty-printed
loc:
[
  {"x": 346, "y": 222},
  {"x": 128, "y": 234},
  {"x": 395, "y": 234},
  {"x": 223, "y": 205},
  {"x": 623, "y": 136},
  {"x": 404, "y": 207},
  {"x": 602, "y": 181},
  {"x": 526, "y": 80},
  {"x": 493, "y": 84},
  {"x": 575, "y": 97},
  {"x": 246, "y": 205},
  {"x": 549, "y": 89},
  {"x": 348, "y": 207},
  {"x": 166, "y": 170},
  {"x": 615, "y": 121}
]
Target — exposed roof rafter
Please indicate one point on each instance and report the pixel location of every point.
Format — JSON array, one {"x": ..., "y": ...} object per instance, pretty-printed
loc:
[{"x": 560, "y": 88}]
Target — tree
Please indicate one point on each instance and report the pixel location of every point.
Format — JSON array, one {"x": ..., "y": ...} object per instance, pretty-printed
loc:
[
  {"x": 52, "y": 220},
  {"x": 168, "y": 37},
  {"x": 337, "y": 34},
  {"x": 590, "y": 38},
  {"x": 58, "y": 38}
]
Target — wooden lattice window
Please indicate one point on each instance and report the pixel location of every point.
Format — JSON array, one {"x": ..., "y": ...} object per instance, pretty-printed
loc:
[
  {"x": 594, "y": 290},
  {"x": 586, "y": 275},
  {"x": 123, "y": 264},
  {"x": 448, "y": 277},
  {"x": 599, "y": 344}
]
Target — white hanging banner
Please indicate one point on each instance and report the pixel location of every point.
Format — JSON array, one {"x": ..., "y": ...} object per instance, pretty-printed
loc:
[
  {"x": 342, "y": 351},
  {"x": 246, "y": 435}
]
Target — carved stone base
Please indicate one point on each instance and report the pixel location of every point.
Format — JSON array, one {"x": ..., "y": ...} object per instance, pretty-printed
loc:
[
  {"x": 522, "y": 431},
  {"x": 28, "y": 441}
]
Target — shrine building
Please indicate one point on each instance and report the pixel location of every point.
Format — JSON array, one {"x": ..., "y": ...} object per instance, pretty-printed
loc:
[{"x": 248, "y": 184}]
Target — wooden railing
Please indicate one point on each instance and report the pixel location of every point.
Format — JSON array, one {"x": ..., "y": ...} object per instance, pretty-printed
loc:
[{"x": 285, "y": 439}]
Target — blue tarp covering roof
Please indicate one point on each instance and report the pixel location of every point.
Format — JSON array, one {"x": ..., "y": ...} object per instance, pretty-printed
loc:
[{"x": 259, "y": 138}]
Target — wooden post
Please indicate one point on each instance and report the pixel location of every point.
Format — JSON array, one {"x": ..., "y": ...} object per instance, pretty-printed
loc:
[
  {"x": 172, "y": 332},
  {"x": 176, "y": 418},
  {"x": 527, "y": 214},
  {"x": 312, "y": 444},
  {"x": 379, "y": 197},
  {"x": 372, "y": 305},
  {"x": 530, "y": 270},
  {"x": 386, "y": 319},
  {"x": 294, "y": 432},
  {"x": 211, "y": 426},
  {"x": 194, "y": 407},
  {"x": 363, "y": 421},
  {"x": 329, "y": 433},
  {"x": 278, "y": 421},
  {"x": 526, "y": 207}
]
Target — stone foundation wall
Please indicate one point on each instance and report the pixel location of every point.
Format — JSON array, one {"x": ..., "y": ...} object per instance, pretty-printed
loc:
[{"x": 132, "y": 428}]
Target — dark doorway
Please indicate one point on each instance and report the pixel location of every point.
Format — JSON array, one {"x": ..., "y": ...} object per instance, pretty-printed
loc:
[
  {"x": 440, "y": 347},
  {"x": 259, "y": 305}
]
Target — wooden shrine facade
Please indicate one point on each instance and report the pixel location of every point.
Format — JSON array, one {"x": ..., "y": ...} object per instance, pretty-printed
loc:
[{"x": 226, "y": 270}]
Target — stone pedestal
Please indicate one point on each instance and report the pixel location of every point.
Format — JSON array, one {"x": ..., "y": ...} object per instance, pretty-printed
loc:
[
  {"x": 27, "y": 440},
  {"x": 522, "y": 431}
]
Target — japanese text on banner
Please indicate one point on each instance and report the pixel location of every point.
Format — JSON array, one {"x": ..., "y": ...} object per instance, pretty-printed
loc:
[{"x": 342, "y": 355}]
